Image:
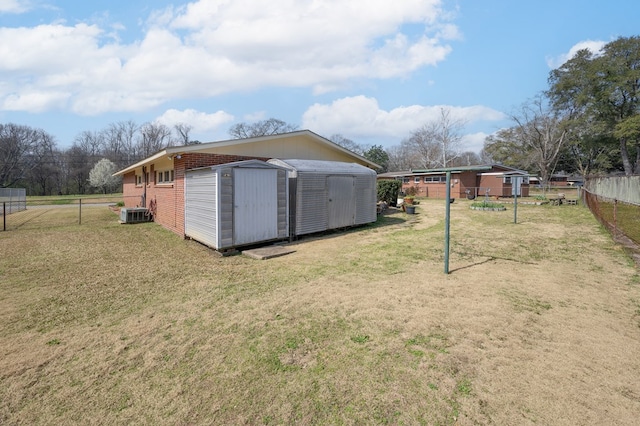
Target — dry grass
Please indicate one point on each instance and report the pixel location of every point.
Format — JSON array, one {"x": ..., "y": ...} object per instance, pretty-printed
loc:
[{"x": 538, "y": 322}]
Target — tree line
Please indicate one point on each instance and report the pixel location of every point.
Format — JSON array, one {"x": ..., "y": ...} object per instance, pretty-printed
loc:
[
  {"x": 587, "y": 122},
  {"x": 30, "y": 158}
]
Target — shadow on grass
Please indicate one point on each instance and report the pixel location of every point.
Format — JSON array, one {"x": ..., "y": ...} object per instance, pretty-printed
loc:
[{"x": 491, "y": 259}]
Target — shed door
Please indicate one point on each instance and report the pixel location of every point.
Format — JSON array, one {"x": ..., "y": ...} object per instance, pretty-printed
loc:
[
  {"x": 255, "y": 207},
  {"x": 342, "y": 201},
  {"x": 200, "y": 208}
]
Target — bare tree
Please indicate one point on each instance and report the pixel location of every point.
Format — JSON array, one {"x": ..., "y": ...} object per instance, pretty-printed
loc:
[
  {"x": 541, "y": 133},
  {"x": 403, "y": 157},
  {"x": 349, "y": 144},
  {"x": 426, "y": 151},
  {"x": 91, "y": 143},
  {"x": 22, "y": 149},
  {"x": 437, "y": 142},
  {"x": 153, "y": 138},
  {"x": 183, "y": 131},
  {"x": 272, "y": 126}
]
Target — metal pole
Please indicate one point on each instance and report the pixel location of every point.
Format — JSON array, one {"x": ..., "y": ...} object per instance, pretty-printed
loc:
[
  {"x": 4, "y": 216},
  {"x": 80, "y": 213},
  {"x": 516, "y": 182},
  {"x": 446, "y": 223}
]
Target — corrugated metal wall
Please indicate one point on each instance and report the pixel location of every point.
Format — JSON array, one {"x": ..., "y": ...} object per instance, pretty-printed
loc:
[
  {"x": 311, "y": 203},
  {"x": 366, "y": 199},
  {"x": 201, "y": 206},
  {"x": 341, "y": 202}
]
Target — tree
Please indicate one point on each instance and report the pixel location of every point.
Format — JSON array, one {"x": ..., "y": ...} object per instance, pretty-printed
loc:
[
  {"x": 535, "y": 141},
  {"x": 22, "y": 149},
  {"x": 77, "y": 166},
  {"x": 347, "y": 143},
  {"x": 153, "y": 138},
  {"x": 183, "y": 131},
  {"x": 402, "y": 157},
  {"x": 600, "y": 92},
  {"x": 379, "y": 156},
  {"x": 388, "y": 190},
  {"x": 467, "y": 158},
  {"x": 437, "y": 142},
  {"x": 272, "y": 126},
  {"x": 101, "y": 175}
]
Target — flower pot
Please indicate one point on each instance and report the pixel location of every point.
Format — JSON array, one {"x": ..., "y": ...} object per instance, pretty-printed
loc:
[{"x": 410, "y": 209}]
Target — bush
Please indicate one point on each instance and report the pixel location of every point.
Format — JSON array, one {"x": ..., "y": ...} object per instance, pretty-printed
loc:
[
  {"x": 388, "y": 191},
  {"x": 412, "y": 191}
]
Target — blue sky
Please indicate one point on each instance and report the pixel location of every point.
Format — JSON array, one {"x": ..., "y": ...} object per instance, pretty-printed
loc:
[{"x": 370, "y": 70}]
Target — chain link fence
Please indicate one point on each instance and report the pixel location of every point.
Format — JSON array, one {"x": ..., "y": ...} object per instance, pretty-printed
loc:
[
  {"x": 12, "y": 200},
  {"x": 57, "y": 212},
  {"x": 615, "y": 202}
]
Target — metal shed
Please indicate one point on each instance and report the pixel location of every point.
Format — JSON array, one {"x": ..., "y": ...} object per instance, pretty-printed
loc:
[
  {"x": 327, "y": 195},
  {"x": 236, "y": 204}
]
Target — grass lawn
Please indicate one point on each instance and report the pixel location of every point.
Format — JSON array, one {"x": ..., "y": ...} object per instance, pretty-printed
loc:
[{"x": 538, "y": 322}]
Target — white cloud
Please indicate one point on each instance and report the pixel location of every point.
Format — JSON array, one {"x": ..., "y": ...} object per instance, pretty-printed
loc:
[
  {"x": 201, "y": 122},
  {"x": 208, "y": 48},
  {"x": 14, "y": 6},
  {"x": 593, "y": 45},
  {"x": 361, "y": 117},
  {"x": 474, "y": 141}
]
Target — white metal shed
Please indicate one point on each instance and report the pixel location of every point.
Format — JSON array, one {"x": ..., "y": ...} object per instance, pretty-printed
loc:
[
  {"x": 327, "y": 195},
  {"x": 236, "y": 204}
]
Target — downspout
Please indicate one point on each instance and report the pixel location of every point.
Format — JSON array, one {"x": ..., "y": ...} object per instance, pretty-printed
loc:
[{"x": 143, "y": 201}]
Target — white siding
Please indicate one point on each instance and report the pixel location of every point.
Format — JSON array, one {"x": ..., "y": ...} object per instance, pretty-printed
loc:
[{"x": 201, "y": 212}]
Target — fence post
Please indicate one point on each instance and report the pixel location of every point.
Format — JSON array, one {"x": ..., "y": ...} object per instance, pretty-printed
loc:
[
  {"x": 615, "y": 218},
  {"x": 4, "y": 216},
  {"x": 80, "y": 213}
]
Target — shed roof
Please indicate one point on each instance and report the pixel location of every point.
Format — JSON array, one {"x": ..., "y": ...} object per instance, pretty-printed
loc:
[{"x": 321, "y": 166}]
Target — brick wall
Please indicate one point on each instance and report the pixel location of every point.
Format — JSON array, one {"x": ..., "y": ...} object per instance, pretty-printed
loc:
[{"x": 169, "y": 198}]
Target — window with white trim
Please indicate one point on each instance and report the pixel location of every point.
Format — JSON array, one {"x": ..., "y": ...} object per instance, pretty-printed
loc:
[
  {"x": 416, "y": 179},
  {"x": 164, "y": 177}
]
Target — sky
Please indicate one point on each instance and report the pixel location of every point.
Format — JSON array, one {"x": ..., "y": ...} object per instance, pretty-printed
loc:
[{"x": 370, "y": 70}]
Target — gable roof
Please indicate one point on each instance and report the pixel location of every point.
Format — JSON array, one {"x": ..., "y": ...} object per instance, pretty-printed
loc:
[{"x": 225, "y": 145}]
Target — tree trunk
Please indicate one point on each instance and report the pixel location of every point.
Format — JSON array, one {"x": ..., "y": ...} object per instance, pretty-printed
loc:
[{"x": 626, "y": 161}]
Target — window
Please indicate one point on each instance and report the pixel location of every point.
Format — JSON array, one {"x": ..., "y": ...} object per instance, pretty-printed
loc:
[
  {"x": 507, "y": 180},
  {"x": 405, "y": 180},
  {"x": 164, "y": 176},
  {"x": 436, "y": 179},
  {"x": 138, "y": 180},
  {"x": 416, "y": 179}
]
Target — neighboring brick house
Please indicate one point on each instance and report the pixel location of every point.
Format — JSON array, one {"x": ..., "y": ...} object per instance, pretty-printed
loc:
[
  {"x": 157, "y": 182},
  {"x": 495, "y": 180}
]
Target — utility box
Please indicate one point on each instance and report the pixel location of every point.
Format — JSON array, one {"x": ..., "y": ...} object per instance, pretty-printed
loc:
[
  {"x": 134, "y": 215},
  {"x": 236, "y": 204},
  {"x": 326, "y": 195}
]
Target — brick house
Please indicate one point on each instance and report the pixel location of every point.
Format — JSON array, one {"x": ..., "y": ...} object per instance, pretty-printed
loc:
[
  {"x": 157, "y": 182},
  {"x": 495, "y": 180}
]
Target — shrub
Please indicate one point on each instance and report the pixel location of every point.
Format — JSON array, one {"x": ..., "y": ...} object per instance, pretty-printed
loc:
[
  {"x": 388, "y": 191},
  {"x": 412, "y": 191},
  {"x": 487, "y": 204}
]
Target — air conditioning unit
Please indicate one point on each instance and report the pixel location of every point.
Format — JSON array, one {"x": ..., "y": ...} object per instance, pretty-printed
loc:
[{"x": 134, "y": 215}]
